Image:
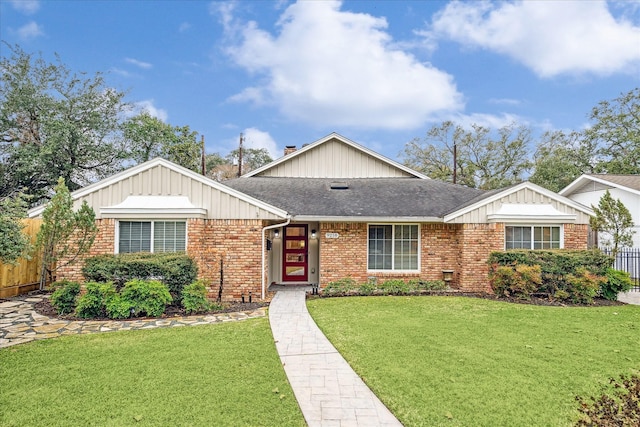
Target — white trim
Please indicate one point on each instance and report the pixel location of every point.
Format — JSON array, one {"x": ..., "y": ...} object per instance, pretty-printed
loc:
[
  {"x": 344, "y": 140},
  {"x": 379, "y": 219},
  {"x": 393, "y": 239},
  {"x": 532, "y": 225},
  {"x": 264, "y": 237},
  {"x": 581, "y": 180},
  {"x": 36, "y": 211},
  {"x": 538, "y": 213},
  {"x": 523, "y": 185}
]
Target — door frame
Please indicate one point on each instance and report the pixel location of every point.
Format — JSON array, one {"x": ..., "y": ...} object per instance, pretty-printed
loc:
[{"x": 304, "y": 251}]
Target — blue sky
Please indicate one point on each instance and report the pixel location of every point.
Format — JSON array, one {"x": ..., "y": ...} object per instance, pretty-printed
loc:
[{"x": 377, "y": 72}]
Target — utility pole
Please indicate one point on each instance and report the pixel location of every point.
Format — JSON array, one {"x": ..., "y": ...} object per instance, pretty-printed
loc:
[
  {"x": 455, "y": 162},
  {"x": 240, "y": 156},
  {"x": 204, "y": 167}
]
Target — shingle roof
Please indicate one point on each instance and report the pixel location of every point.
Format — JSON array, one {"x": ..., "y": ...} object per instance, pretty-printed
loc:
[
  {"x": 629, "y": 181},
  {"x": 370, "y": 197}
]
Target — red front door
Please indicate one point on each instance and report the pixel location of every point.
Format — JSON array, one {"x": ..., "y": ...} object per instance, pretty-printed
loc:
[{"x": 295, "y": 259}]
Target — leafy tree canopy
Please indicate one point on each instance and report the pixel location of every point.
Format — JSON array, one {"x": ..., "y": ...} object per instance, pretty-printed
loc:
[
  {"x": 614, "y": 219},
  {"x": 55, "y": 123},
  {"x": 13, "y": 242}
]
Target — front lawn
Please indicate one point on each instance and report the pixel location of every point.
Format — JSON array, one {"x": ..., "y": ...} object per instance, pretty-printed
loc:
[
  {"x": 456, "y": 361},
  {"x": 226, "y": 374}
]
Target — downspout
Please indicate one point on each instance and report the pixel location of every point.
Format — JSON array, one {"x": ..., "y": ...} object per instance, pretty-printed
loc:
[{"x": 264, "y": 237}]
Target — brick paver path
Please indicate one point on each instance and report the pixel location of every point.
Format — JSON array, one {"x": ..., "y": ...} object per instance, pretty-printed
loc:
[{"x": 328, "y": 391}]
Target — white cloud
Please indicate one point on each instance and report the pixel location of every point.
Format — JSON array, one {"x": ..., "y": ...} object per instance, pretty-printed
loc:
[
  {"x": 184, "y": 27},
  {"x": 138, "y": 63},
  {"x": 550, "y": 37},
  {"x": 30, "y": 31},
  {"x": 255, "y": 138},
  {"x": 27, "y": 7},
  {"x": 148, "y": 106},
  {"x": 492, "y": 121},
  {"x": 331, "y": 67}
]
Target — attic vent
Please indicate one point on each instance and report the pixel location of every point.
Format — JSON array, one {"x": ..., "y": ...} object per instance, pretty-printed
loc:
[{"x": 339, "y": 186}]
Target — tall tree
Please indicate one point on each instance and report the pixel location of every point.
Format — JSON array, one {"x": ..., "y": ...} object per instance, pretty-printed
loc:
[
  {"x": 252, "y": 158},
  {"x": 559, "y": 159},
  {"x": 64, "y": 235},
  {"x": 14, "y": 243},
  {"x": 615, "y": 134},
  {"x": 55, "y": 123},
  {"x": 149, "y": 137},
  {"x": 485, "y": 159},
  {"x": 614, "y": 219}
]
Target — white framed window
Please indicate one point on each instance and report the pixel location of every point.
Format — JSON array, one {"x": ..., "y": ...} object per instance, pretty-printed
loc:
[
  {"x": 393, "y": 247},
  {"x": 533, "y": 237},
  {"x": 152, "y": 236}
]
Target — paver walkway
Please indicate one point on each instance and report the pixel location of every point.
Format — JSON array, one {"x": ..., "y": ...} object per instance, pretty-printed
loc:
[
  {"x": 328, "y": 391},
  {"x": 19, "y": 322}
]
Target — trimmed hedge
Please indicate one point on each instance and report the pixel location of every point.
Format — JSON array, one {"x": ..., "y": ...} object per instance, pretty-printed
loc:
[
  {"x": 348, "y": 286},
  {"x": 176, "y": 270},
  {"x": 572, "y": 275}
]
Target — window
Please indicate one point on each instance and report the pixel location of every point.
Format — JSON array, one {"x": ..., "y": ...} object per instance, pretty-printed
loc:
[
  {"x": 393, "y": 247},
  {"x": 532, "y": 237},
  {"x": 152, "y": 236}
]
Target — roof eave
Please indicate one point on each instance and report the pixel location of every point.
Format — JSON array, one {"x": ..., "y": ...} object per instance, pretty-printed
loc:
[{"x": 329, "y": 218}]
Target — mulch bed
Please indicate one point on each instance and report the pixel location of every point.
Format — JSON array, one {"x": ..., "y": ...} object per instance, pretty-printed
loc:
[{"x": 46, "y": 309}]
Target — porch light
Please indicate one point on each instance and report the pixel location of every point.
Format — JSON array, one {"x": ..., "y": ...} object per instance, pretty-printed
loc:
[
  {"x": 447, "y": 275},
  {"x": 313, "y": 233},
  {"x": 276, "y": 233}
]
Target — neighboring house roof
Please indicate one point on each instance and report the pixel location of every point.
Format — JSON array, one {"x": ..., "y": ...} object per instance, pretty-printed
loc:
[
  {"x": 586, "y": 182},
  {"x": 138, "y": 170},
  {"x": 320, "y": 159},
  {"x": 363, "y": 198}
]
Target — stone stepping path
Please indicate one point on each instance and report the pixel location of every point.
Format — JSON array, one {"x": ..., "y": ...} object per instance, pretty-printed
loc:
[{"x": 20, "y": 323}]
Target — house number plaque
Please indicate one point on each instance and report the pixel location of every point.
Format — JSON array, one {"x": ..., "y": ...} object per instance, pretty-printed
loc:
[{"x": 332, "y": 235}]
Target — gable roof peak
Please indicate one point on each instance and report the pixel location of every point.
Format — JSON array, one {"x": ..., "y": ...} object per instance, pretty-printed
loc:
[{"x": 334, "y": 136}]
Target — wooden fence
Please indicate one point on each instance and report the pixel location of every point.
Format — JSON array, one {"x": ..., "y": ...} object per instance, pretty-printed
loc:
[{"x": 25, "y": 275}]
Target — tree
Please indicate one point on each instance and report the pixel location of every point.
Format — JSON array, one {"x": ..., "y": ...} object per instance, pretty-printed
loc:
[
  {"x": 55, "y": 123},
  {"x": 613, "y": 218},
  {"x": 485, "y": 159},
  {"x": 252, "y": 158},
  {"x": 615, "y": 134},
  {"x": 148, "y": 137},
  {"x": 14, "y": 243},
  {"x": 559, "y": 159},
  {"x": 64, "y": 235}
]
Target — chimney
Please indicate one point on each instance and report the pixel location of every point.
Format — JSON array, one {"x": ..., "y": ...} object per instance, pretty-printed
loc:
[{"x": 289, "y": 149}]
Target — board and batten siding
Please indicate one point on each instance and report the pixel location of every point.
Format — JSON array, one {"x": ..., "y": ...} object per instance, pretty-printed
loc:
[
  {"x": 524, "y": 197},
  {"x": 162, "y": 181},
  {"x": 334, "y": 159}
]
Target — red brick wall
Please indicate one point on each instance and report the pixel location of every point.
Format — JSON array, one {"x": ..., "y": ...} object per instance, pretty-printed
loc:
[
  {"x": 576, "y": 236},
  {"x": 237, "y": 242},
  {"x": 346, "y": 256},
  {"x": 476, "y": 242}
]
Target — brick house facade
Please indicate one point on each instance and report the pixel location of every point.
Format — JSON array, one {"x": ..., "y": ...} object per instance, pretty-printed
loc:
[{"x": 330, "y": 210}]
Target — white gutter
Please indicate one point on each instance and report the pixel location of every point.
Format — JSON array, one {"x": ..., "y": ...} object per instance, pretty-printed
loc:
[{"x": 264, "y": 237}]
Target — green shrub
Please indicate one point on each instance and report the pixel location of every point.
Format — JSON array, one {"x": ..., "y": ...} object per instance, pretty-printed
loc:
[
  {"x": 617, "y": 281},
  {"x": 367, "y": 288},
  {"x": 93, "y": 303},
  {"x": 176, "y": 270},
  {"x": 620, "y": 408},
  {"x": 519, "y": 281},
  {"x": 340, "y": 287},
  {"x": 148, "y": 297},
  {"x": 583, "y": 286},
  {"x": 394, "y": 287},
  {"x": 427, "y": 285},
  {"x": 194, "y": 298},
  {"x": 64, "y": 297},
  {"x": 118, "y": 307}
]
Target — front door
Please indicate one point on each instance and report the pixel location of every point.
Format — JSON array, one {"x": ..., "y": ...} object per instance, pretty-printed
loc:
[{"x": 295, "y": 257}]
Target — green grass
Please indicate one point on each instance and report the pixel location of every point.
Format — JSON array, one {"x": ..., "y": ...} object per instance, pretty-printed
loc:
[
  {"x": 225, "y": 375},
  {"x": 455, "y": 361}
]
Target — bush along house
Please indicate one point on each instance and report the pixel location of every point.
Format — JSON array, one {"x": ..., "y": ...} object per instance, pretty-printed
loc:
[{"x": 329, "y": 210}]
